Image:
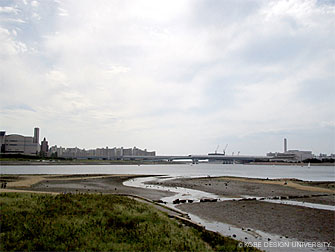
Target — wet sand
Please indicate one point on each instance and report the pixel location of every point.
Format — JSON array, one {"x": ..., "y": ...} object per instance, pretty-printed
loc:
[
  {"x": 80, "y": 184},
  {"x": 304, "y": 224},
  {"x": 295, "y": 222},
  {"x": 232, "y": 187}
]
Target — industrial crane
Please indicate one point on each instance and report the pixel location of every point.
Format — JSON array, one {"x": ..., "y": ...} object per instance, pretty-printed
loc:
[{"x": 224, "y": 150}]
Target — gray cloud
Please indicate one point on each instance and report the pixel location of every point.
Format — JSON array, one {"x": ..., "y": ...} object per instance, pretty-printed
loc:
[{"x": 178, "y": 77}]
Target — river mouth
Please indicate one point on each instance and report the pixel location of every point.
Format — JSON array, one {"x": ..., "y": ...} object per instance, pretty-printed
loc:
[{"x": 251, "y": 237}]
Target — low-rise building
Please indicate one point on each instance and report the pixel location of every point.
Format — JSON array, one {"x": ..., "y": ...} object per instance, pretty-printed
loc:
[
  {"x": 301, "y": 155},
  {"x": 100, "y": 153},
  {"x": 18, "y": 144},
  {"x": 290, "y": 155}
]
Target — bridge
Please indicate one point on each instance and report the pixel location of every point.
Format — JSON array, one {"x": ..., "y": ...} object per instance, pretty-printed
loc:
[{"x": 217, "y": 158}]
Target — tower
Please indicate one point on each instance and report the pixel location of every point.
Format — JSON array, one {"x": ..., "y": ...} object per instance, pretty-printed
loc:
[
  {"x": 2, "y": 141},
  {"x": 36, "y": 135},
  {"x": 44, "y": 147},
  {"x": 285, "y": 145}
]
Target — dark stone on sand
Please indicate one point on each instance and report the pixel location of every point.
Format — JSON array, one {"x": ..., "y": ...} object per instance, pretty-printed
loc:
[{"x": 176, "y": 201}]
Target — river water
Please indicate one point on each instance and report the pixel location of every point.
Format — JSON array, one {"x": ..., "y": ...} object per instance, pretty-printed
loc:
[{"x": 312, "y": 173}]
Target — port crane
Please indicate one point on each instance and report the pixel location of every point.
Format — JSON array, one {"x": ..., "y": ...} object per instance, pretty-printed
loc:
[
  {"x": 216, "y": 150},
  {"x": 224, "y": 150}
]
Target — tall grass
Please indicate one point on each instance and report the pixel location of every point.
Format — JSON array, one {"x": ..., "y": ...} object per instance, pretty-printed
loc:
[{"x": 69, "y": 222}]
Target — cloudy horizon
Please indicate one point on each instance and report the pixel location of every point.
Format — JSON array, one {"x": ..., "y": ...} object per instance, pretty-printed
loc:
[{"x": 178, "y": 77}]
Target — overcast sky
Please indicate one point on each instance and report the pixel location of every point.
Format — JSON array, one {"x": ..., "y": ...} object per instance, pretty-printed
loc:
[{"x": 178, "y": 77}]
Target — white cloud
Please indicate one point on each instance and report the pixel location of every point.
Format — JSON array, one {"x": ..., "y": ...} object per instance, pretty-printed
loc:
[
  {"x": 177, "y": 76},
  {"x": 34, "y": 3},
  {"x": 13, "y": 20},
  {"x": 62, "y": 12},
  {"x": 9, "y": 10},
  {"x": 9, "y": 46},
  {"x": 117, "y": 69},
  {"x": 36, "y": 16}
]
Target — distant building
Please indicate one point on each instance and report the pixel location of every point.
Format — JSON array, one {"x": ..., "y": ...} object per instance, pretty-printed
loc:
[
  {"x": 281, "y": 157},
  {"x": 301, "y": 155},
  {"x": 100, "y": 153},
  {"x": 44, "y": 148},
  {"x": 18, "y": 144},
  {"x": 36, "y": 135},
  {"x": 285, "y": 145},
  {"x": 57, "y": 151},
  {"x": 2, "y": 141},
  {"x": 290, "y": 155}
]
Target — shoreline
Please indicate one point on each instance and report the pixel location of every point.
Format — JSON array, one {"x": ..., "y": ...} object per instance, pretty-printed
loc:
[
  {"x": 86, "y": 162},
  {"x": 290, "y": 164},
  {"x": 295, "y": 222},
  {"x": 136, "y": 162}
]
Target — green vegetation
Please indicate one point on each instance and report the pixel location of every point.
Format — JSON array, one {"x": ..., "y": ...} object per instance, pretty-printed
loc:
[{"x": 41, "y": 222}]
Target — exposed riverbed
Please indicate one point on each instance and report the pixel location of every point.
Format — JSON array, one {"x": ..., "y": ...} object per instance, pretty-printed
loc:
[
  {"x": 265, "y": 216},
  {"x": 265, "y": 221}
]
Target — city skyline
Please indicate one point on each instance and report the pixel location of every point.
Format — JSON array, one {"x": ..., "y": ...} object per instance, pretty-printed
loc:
[
  {"x": 177, "y": 77},
  {"x": 71, "y": 151}
]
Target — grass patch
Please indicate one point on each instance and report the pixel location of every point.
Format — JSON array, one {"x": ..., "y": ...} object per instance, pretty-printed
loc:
[{"x": 69, "y": 222}]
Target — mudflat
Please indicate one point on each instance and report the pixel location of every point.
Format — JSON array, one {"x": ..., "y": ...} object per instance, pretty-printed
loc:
[
  {"x": 232, "y": 187},
  {"x": 294, "y": 222},
  {"x": 80, "y": 184}
]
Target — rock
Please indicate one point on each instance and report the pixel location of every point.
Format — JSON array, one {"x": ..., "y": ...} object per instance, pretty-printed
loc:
[{"x": 176, "y": 201}]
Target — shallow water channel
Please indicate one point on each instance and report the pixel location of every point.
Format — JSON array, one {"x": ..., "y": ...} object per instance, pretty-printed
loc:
[{"x": 251, "y": 237}]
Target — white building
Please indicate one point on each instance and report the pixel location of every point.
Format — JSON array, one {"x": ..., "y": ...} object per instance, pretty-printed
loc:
[
  {"x": 300, "y": 155},
  {"x": 18, "y": 144},
  {"x": 99, "y": 153},
  {"x": 290, "y": 155}
]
